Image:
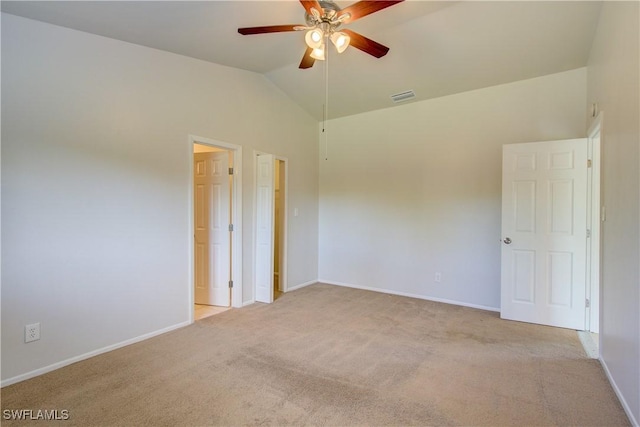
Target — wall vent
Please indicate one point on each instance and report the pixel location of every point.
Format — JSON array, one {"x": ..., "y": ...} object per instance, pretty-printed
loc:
[{"x": 403, "y": 96}]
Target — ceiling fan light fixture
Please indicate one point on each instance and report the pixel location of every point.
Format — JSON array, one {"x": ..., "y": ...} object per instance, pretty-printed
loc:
[
  {"x": 323, "y": 18},
  {"x": 343, "y": 17},
  {"x": 341, "y": 41},
  {"x": 314, "y": 38},
  {"x": 318, "y": 53}
]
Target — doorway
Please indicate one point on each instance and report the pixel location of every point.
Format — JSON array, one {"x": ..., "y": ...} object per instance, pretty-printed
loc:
[
  {"x": 552, "y": 189},
  {"x": 270, "y": 243},
  {"x": 215, "y": 212},
  {"x": 279, "y": 228},
  {"x": 212, "y": 185},
  {"x": 545, "y": 233},
  {"x": 595, "y": 218}
]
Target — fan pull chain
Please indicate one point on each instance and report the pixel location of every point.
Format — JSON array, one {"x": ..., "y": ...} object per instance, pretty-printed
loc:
[{"x": 325, "y": 113}]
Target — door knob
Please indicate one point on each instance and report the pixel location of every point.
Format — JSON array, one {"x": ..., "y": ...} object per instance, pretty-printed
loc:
[{"x": 507, "y": 241}]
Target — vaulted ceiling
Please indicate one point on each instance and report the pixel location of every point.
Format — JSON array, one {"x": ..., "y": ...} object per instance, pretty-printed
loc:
[{"x": 436, "y": 48}]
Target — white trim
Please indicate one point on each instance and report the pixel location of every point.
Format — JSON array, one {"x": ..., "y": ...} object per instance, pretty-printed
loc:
[
  {"x": 302, "y": 285},
  {"x": 254, "y": 227},
  {"x": 406, "y": 294},
  {"x": 284, "y": 274},
  {"x": 594, "y": 249},
  {"x": 596, "y": 124},
  {"x": 236, "y": 219},
  {"x": 589, "y": 345},
  {"x": 256, "y": 155},
  {"x": 66, "y": 362},
  {"x": 623, "y": 402}
]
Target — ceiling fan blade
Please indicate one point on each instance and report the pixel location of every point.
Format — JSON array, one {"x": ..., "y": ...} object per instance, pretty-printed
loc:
[
  {"x": 366, "y": 45},
  {"x": 268, "y": 29},
  {"x": 364, "y": 8},
  {"x": 307, "y": 60},
  {"x": 311, "y": 4}
]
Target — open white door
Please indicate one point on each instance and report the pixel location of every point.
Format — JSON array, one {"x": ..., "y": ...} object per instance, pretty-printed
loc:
[
  {"x": 544, "y": 232},
  {"x": 212, "y": 248},
  {"x": 264, "y": 227}
]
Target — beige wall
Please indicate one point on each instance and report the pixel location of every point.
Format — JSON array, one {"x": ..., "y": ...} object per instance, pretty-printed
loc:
[
  {"x": 95, "y": 179},
  {"x": 613, "y": 83},
  {"x": 416, "y": 189}
]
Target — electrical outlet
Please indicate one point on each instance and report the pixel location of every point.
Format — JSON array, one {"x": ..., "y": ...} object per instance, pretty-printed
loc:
[
  {"x": 438, "y": 277},
  {"x": 32, "y": 332}
]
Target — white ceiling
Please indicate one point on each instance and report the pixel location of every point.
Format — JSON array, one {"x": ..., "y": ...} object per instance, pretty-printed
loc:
[{"x": 436, "y": 48}]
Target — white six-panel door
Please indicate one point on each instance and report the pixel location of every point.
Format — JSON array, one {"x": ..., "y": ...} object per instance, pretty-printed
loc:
[
  {"x": 264, "y": 227},
  {"x": 212, "y": 240},
  {"x": 544, "y": 232}
]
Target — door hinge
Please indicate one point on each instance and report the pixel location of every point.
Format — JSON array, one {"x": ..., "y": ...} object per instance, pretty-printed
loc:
[
  {"x": 587, "y": 303},
  {"x": 230, "y": 227},
  {"x": 231, "y": 283},
  {"x": 589, "y": 163},
  {"x": 230, "y": 171},
  {"x": 588, "y": 233}
]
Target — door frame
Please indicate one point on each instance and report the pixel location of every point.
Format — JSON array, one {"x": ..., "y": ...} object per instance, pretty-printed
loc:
[
  {"x": 595, "y": 218},
  {"x": 236, "y": 219},
  {"x": 577, "y": 309},
  {"x": 284, "y": 281},
  {"x": 213, "y": 287}
]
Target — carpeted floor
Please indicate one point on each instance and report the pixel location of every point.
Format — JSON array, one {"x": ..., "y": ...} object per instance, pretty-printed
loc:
[{"x": 325, "y": 355}]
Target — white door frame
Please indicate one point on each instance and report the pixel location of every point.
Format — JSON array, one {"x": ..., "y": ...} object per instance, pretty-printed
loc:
[
  {"x": 527, "y": 286},
  {"x": 595, "y": 216},
  {"x": 236, "y": 219},
  {"x": 213, "y": 267},
  {"x": 284, "y": 282}
]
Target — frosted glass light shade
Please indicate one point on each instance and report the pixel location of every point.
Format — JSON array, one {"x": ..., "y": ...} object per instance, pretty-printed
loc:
[
  {"x": 318, "y": 53},
  {"x": 314, "y": 37},
  {"x": 340, "y": 41}
]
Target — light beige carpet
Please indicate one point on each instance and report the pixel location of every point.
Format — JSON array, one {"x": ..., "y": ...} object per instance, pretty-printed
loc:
[{"x": 326, "y": 355}]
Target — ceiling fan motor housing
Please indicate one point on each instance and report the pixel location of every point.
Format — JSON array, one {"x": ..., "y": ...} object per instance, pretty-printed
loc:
[{"x": 328, "y": 13}]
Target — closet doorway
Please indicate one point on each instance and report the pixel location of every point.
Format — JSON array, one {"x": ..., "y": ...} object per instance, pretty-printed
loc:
[
  {"x": 270, "y": 227},
  {"x": 216, "y": 226},
  {"x": 212, "y": 186},
  {"x": 278, "y": 228}
]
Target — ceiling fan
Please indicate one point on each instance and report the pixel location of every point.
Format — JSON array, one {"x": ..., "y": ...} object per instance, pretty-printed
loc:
[{"x": 323, "y": 18}]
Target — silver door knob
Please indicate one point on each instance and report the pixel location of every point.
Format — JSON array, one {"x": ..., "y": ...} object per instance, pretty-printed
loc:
[{"x": 507, "y": 241}]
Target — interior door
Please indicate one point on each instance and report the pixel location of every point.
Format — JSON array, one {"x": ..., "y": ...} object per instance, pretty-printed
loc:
[
  {"x": 544, "y": 232},
  {"x": 212, "y": 239},
  {"x": 264, "y": 228}
]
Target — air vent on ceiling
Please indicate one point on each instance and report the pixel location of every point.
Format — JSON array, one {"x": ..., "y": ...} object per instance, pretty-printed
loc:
[{"x": 403, "y": 96}]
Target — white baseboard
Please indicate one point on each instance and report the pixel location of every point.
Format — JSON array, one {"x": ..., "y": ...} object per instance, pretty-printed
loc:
[
  {"x": 58, "y": 365},
  {"x": 589, "y": 345},
  {"x": 293, "y": 288},
  {"x": 621, "y": 398},
  {"x": 406, "y": 294},
  {"x": 301, "y": 285}
]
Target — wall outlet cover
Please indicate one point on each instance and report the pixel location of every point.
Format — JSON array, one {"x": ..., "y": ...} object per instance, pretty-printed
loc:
[{"x": 32, "y": 332}]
